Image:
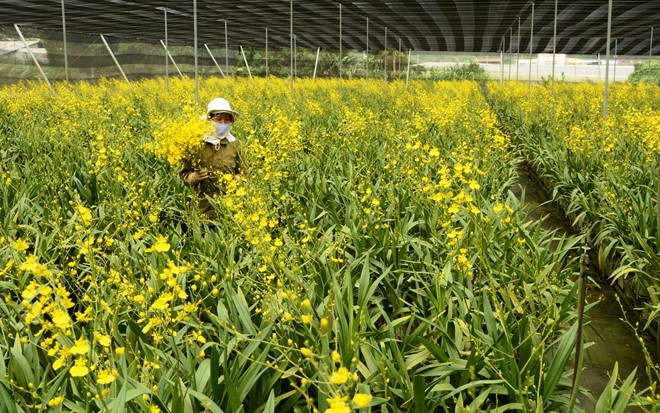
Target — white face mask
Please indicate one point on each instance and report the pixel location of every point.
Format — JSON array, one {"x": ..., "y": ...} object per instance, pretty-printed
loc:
[{"x": 222, "y": 129}]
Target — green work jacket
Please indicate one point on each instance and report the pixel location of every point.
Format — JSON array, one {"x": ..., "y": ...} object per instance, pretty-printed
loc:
[{"x": 219, "y": 159}]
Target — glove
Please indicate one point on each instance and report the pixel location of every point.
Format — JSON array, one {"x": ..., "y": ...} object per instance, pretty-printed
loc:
[{"x": 198, "y": 176}]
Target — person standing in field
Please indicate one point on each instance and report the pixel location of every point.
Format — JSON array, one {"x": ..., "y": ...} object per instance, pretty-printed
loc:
[{"x": 220, "y": 155}]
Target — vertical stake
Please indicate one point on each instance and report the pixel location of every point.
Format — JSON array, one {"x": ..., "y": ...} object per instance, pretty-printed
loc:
[
  {"x": 366, "y": 66},
  {"x": 607, "y": 57},
  {"x": 340, "y": 50},
  {"x": 384, "y": 55},
  {"x": 195, "y": 50},
  {"x": 616, "y": 58},
  {"x": 399, "y": 67},
  {"x": 291, "y": 39},
  {"x": 502, "y": 45},
  {"x": 408, "y": 68},
  {"x": 582, "y": 289},
  {"x": 531, "y": 54},
  {"x": 226, "y": 51},
  {"x": 554, "y": 50},
  {"x": 651, "y": 43},
  {"x": 510, "y": 50},
  {"x": 518, "y": 51},
  {"x": 66, "y": 57},
  {"x": 167, "y": 62}
]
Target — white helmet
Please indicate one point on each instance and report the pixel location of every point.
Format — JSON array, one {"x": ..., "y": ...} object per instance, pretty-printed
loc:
[{"x": 220, "y": 105}]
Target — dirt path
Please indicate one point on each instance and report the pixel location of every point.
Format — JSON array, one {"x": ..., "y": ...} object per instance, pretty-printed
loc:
[{"x": 611, "y": 339}]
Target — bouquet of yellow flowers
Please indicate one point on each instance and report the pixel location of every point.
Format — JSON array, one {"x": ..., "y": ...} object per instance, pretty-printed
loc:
[{"x": 176, "y": 140}]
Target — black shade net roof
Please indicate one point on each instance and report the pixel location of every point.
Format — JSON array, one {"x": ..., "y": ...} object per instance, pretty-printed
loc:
[{"x": 421, "y": 25}]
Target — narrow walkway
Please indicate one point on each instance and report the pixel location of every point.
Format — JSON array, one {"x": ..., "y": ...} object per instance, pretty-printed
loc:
[{"x": 612, "y": 339}]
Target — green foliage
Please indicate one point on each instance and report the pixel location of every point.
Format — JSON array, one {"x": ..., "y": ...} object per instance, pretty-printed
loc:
[
  {"x": 356, "y": 258},
  {"x": 647, "y": 72},
  {"x": 466, "y": 71}
]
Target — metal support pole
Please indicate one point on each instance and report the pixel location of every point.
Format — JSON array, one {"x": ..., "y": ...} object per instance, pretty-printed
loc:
[
  {"x": 502, "y": 60},
  {"x": 107, "y": 46},
  {"x": 616, "y": 57},
  {"x": 291, "y": 39},
  {"x": 172, "y": 59},
  {"x": 316, "y": 63},
  {"x": 651, "y": 43},
  {"x": 518, "y": 51},
  {"x": 295, "y": 56},
  {"x": 366, "y": 65},
  {"x": 399, "y": 67},
  {"x": 66, "y": 57},
  {"x": 214, "y": 61},
  {"x": 340, "y": 41},
  {"x": 531, "y": 54},
  {"x": 167, "y": 62},
  {"x": 408, "y": 68},
  {"x": 510, "y": 50},
  {"x": 266, "y": 51},
  {"x": 384, "y": 57},
  {"x": 34, "y": 59},
  {"x": 579, "y": 341},
  {"x": 246, "y": 62},
  {"x": 554, "y": 49},
  {"x": 195, "y": 51},
  {"x": 607, "y": 57},
  {"x": 226, "y": 51}
]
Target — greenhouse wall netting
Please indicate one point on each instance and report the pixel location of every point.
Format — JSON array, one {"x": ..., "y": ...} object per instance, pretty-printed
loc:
[{"x": 89, "y": 59}]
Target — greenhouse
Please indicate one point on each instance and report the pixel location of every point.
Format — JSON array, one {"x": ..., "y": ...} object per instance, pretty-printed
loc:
[{"x": 329, "y": 206}]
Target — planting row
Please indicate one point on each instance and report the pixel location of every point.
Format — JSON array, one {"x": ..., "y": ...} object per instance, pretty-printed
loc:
[{"x": 603, "y": 170}]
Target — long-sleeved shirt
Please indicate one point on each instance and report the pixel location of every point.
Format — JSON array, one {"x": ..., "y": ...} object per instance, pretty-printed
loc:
[{"x": 222, "y": 158}]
